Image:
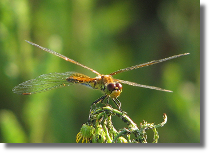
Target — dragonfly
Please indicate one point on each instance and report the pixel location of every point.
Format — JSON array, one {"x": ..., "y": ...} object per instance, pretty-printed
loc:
[{"x": 110, "y": 86}]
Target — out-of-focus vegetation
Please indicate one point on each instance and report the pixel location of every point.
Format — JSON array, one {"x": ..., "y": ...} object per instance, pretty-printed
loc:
[{"x": 105, "y": 35}]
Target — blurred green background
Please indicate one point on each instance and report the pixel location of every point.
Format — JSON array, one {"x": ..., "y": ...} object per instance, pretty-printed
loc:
[{"x": 105, "y": 35}]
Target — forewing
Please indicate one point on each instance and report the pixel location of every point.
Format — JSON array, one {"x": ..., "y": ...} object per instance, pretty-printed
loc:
[
  {"x": 141, "y": 85},
  {"x": 46, "y": 82},
  {"x": 147, "y": 64},
  {"x": 62, "y": 56}
]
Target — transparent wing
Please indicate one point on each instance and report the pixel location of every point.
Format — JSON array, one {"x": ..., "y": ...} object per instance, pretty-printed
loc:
[
  {"x": 146, "y": 64},
  {"x": 47, "y": 82},
  {"x": 141, "y": 85},
  {"x": 62, "y": 56}
]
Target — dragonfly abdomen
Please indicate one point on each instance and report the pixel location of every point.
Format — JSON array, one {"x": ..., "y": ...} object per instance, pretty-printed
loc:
[{"x": 82, "y": 79}]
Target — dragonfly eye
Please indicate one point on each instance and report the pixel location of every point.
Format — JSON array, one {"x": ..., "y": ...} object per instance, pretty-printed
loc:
[
  {"x": 119, "y": 86},
  {"x": 111, "y": 86}
]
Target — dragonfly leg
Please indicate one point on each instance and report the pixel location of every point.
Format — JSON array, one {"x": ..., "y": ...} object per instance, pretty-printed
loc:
[
  {"x": 107, "y": 103},
  {"x": 96, "y": 102},
  {"x": 117, "y": 102}
]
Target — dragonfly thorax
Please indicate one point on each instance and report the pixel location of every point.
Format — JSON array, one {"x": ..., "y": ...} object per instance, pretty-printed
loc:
[{"x": 107, "y": 84}]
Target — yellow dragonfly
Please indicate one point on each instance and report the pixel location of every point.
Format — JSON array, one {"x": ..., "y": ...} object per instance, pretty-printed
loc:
[{"x": 111, "y": 87}]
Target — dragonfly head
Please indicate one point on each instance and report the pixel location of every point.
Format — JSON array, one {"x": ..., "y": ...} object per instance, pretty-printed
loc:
[{"x": 114, "y": 89}]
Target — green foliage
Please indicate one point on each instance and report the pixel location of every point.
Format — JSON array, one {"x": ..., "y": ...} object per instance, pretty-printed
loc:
[
  {"x": 100, "y": 129},
  {"x": 105, "y": 36}
]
